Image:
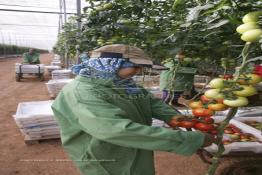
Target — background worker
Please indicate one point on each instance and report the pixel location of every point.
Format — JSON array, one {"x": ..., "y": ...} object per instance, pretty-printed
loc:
[
  {"x": 178, "y": 80},
  {"x": 31, "y": 57}
]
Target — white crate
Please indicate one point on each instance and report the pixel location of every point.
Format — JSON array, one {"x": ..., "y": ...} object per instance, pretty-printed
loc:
[
  {"x": 55, "y": 86},
  {"x": 56, "y": 63},
  {"x": 255, "y": 147},
  {"x": 50, "y": 69},
  {"x": 56, "y": 57},
  {"x": 36, "y": 119},
  {"x": 61, "y": 74},
  {"x": 34, "y": 111},
  {"x": 29, "y": 68},
  {"x": 257, "y": 119}
]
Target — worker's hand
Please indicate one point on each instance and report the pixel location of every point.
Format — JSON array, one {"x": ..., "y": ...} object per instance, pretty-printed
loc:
[{"x": 209, "y": 139}]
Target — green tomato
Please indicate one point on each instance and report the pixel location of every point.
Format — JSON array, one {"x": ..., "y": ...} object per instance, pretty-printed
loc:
[
  {"x": 252, "y": 35},
  {"x": 109, "y": 42},
  {"x": 126, "y": 21},
  {"x": 252, "y": 79},
  {"x": 214, "y": 94},
  {"x": 187, "y": 59},
  {"x": 217, "y": 83},
  {"x": 251, "y": 17},
  {"x": 246, "y": 91},
  {"x": 239, "y": 102},
  {"x": 246, "y": 27},
  {"x": 99, "y": 8},
  {"x": 197, "y": 59},
  {"x": 107, "y": 6}
]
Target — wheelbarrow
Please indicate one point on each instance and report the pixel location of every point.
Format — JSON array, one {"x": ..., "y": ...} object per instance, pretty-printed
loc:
[{"x": 29, "y": 70}]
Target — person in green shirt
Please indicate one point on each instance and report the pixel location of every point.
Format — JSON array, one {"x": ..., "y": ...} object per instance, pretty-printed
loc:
[
  {"x": 177, "y": 81},
  {"x": 31, "y": 57},
  {"x": 105, "y": 120}
]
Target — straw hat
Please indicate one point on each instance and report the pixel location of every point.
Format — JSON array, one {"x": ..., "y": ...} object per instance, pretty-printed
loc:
[{"x": 133, "y": 54}]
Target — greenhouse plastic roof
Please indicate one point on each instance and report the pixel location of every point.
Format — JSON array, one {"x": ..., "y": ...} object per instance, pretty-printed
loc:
[{"x": 38, "y": 30}]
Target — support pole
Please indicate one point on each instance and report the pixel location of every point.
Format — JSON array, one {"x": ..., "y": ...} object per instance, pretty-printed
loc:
[{"x": 78, "y": 7}]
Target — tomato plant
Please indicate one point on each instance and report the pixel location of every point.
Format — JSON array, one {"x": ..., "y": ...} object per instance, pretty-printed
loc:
[{"x": 155, "y": 27}]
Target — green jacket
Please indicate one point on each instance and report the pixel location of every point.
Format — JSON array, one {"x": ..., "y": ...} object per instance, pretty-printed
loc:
[
  {"x": 31, "y": 59},
  {"x": 107, "y": 132}
]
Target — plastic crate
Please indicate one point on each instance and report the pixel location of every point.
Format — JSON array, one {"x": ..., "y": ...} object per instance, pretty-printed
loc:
[
  {"x": 61, "y": 74},
  {"x": 29, "y": 68},
  {"x": 257, "y": 119},
  {"x": 55, "y": 86},
  {"x": 36, "y": 120},
  {"x": 255, "y": 147}
]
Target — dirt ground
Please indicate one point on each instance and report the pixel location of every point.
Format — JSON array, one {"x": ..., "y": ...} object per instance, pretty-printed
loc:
[{"x": 17, "y": 158}]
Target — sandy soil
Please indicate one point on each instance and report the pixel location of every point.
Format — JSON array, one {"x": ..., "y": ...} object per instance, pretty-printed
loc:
[{"x": 41, "y": 159}]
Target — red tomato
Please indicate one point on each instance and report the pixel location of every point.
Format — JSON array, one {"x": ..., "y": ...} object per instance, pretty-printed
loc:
[
  {"x": 209, "y": 120},
  {"x": 174, "y": 123},
  {"x": 195, "y": 104},
  {"x": 217, "y": 107},
  {"x": 204, "y": 127},
  {"x": 220, "y": 100},
  {"x": 202, "y": 112},
  {"x": 228, "y": 76},
  {"x": 187, "y": 124},
  {"x": 204, "y": 99},
  {"x": 214, "y": 132}
]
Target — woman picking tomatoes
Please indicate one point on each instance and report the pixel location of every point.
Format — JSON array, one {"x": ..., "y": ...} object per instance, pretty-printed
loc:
[{"x": 105, "y": 117}]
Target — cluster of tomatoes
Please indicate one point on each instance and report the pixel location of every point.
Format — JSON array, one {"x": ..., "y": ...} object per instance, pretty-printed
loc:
[
  {"x": 234, "y": 134},
  {"x": 225, "y": 92},
  {"x": 233, "y": 92},
  {"x": 250, "y": 30},
  {"x": 202, "y": 111}
]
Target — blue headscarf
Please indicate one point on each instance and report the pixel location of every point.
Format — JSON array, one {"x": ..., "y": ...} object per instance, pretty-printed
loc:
[{"x": 107, "y": 68}]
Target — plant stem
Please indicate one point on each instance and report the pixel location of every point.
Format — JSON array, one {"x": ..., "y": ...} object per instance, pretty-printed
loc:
[
  {"x": 244, "y": 54},
  {"x": 215, "y": 160},
  {"x": 232, "y": 112}
]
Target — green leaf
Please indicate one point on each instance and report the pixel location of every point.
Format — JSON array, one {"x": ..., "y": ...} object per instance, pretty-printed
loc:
[{"x": 219, "y": 24}]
